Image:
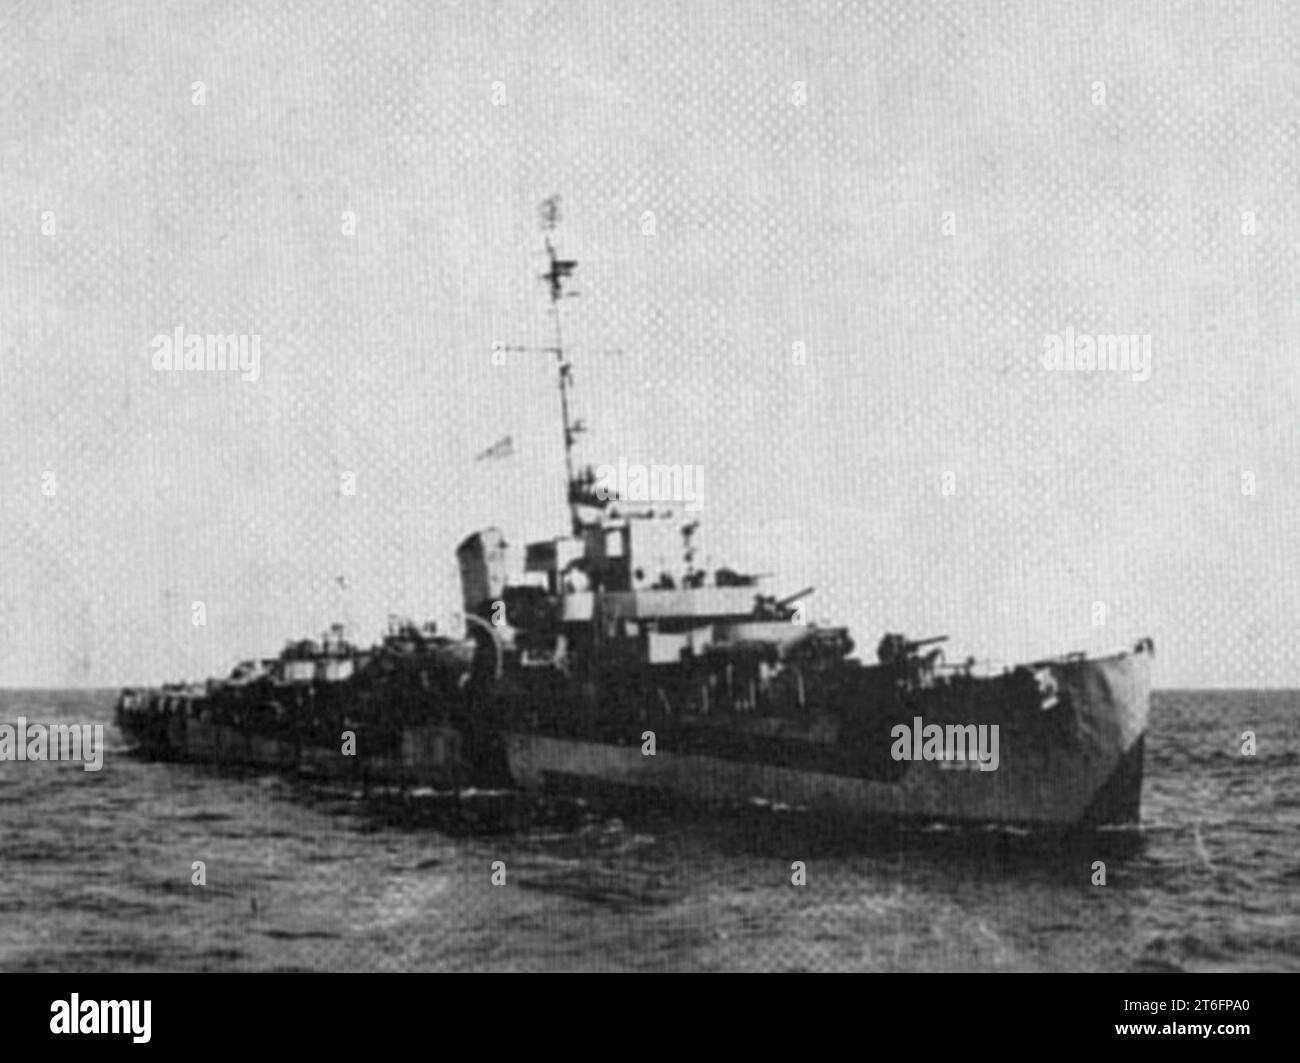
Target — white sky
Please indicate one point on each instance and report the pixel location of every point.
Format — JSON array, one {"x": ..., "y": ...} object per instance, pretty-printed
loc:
[{"x": 775, "y": 223}]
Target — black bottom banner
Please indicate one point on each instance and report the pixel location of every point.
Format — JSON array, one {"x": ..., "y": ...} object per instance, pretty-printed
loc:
[{"x": 337, "y": 1013}]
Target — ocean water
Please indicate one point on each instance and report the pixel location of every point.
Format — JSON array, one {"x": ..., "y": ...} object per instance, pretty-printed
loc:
[{"x": 96, "y": 869}]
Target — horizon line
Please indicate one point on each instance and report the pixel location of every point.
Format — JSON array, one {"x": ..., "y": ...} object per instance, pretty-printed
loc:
[{"x": 145, "y": 686}]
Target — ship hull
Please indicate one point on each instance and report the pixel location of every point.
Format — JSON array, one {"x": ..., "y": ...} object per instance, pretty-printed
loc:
[
  {"x": 1086, "y": 774},
  {"x": 1078, "y": 764},
  {"x": 423, "y": 756}
]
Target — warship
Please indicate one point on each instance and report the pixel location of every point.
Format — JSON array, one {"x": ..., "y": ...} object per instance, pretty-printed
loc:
[{"x": 588, "y": 664}]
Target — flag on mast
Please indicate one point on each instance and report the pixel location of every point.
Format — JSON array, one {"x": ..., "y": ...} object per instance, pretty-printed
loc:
[{"x": 502, "y": 448}]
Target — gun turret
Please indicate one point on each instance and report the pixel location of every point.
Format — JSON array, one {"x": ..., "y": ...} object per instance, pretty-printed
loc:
[
  {"x": 894, "y": 648},
  {"x": 766, "y": 605}
]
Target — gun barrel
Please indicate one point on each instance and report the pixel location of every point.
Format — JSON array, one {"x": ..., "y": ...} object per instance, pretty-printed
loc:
[
  {"x": 791, "y": 599},
  {"x": 918, "y": 643}
]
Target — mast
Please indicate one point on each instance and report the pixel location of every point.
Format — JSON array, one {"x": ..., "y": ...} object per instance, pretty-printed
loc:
[{"x": 560, "y": 270}]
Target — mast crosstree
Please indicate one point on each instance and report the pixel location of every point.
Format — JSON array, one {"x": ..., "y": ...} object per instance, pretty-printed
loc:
[{"x": 561, "y": 269}]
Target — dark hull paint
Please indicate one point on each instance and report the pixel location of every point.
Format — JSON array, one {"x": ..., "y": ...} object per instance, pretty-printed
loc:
[{"x": 1079, "y": 764}]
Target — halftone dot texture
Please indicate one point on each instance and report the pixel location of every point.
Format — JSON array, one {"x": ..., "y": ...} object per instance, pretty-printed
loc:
[{"x": 736, "y": 178}]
